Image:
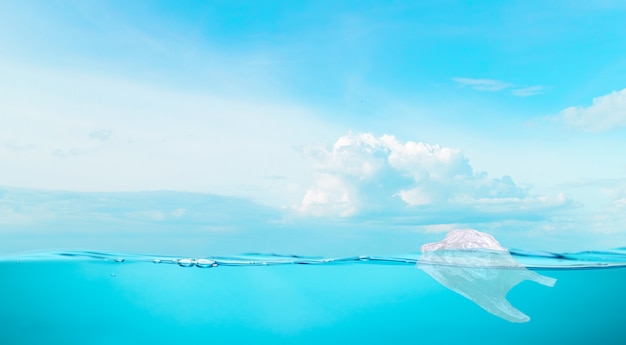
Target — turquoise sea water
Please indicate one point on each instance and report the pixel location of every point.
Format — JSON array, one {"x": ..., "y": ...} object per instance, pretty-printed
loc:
[{"x": 110, "y": 298}]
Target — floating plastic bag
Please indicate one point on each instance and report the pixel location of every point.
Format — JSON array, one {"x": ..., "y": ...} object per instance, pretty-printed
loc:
[{"x": 474, "y": 265}]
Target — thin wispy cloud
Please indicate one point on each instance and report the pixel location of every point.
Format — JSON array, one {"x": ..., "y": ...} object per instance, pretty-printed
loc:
[
  {"x": 483, "y": 84},
  {"x": 605, "y": 201},
  {"x": 529, "y": 91},
  {"x": 493, "y": 85},
  {"x": 100, "y": 135},
  {"x": 15, "y": 146},
  {"x": 163, "y": 138},
  {"x": 605, "y": 113}
]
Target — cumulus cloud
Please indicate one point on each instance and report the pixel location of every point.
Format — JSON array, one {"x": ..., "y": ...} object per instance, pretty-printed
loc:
[
  {"x": 362, "y": 173},
  {"x": 605, "y": 113},
  {"x": 483, "y": 84}
]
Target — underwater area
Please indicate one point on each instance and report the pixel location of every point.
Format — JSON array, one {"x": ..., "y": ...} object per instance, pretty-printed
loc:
[{"x": 112, "y": 298}]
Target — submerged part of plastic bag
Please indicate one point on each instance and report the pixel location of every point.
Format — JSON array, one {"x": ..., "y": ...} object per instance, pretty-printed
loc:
[{"x": 474, "y": 265}]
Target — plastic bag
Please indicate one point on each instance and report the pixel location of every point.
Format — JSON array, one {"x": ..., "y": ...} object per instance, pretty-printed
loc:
[{"x": 474, "y": 265}]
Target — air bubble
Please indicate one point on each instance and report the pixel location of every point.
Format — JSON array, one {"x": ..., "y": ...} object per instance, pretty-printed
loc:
[
  {"x": 119, "y": 259},
  {"x": 186, "y": 262},
  {"x": 156, "y": 261},
  {"x": 205, "y": 263}
]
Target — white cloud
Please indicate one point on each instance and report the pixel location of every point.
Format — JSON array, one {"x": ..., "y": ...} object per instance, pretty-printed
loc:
[
  {"x": 605, "y": 113},
  {"x": 617, "y": 195},
  {"x": 15, "y": 146},
  {"x": 529, "y": 91},
  {"x": 101, "y": 134},
  {"x": 332, "y": 196},
  {"x": 498, "y": 85},
  {"x": 483, "y": 84},
  {"x": 362, "y": 173},
  {"x": 608, "y": 217}
]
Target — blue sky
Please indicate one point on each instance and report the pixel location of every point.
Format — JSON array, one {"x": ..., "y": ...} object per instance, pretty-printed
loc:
[{"x": 387, "y": 122}]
